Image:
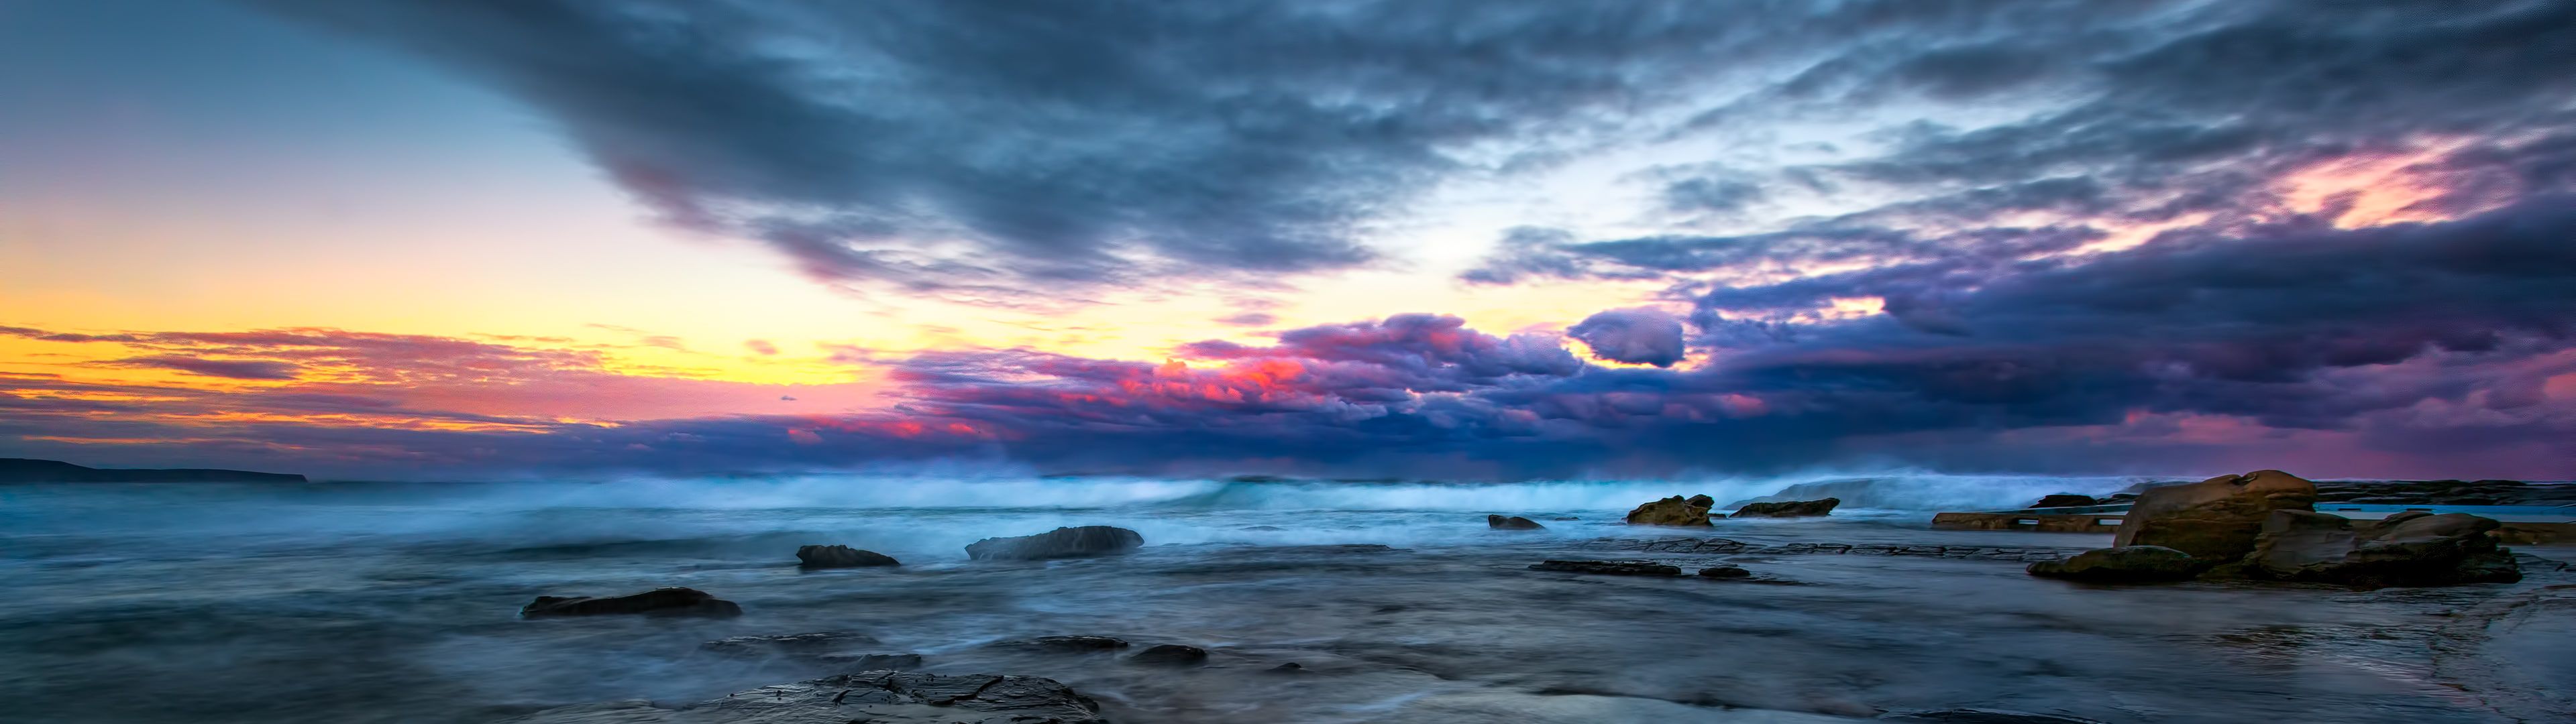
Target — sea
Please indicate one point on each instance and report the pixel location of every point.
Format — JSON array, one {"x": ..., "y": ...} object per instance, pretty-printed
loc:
[{"x": 399, "y": 602}]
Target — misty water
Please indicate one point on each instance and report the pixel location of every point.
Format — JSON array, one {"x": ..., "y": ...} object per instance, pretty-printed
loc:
[{"x": 399, "y": 602}]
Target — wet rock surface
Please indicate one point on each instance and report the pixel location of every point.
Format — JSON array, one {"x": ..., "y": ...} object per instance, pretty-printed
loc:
[
  {"x": 2129, "y": 564},
  {"x": 1511, "y": 522},
  {"x": 1613, "y": 568},
  {"x": 2407, "y": 549},
  {"x": 1673, "y": 511},
  {"x": 876, "y": 697},
  {"x": 1788, "y": 509},
  {"x": 656, "y": 602},
  {"x": 1725, "y": 572},
  {"x": 837, "y": 556},
  {"x": 1727, "y": 546},
  {"x": 1078, "y": 542}
]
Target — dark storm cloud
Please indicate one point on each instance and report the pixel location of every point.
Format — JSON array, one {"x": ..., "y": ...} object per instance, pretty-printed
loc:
[
  {"x": 978, "y": 144},
  {"x": 235, "y": 369},
  {"x": 1642, "y": 335}
]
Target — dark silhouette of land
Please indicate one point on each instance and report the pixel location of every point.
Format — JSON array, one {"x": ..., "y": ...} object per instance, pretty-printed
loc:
[{"x": 24, "y": 470}]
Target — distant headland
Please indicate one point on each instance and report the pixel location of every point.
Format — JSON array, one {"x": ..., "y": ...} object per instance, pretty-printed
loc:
[{"x": 25, "y": 470}]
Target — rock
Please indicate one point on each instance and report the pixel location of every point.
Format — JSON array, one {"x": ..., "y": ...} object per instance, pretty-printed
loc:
[
  {"x": 1515, "y": 522},
  {"x": 1288, "y": 668},
  {"x": 1616, "y": 568},
  {"x": 804, "y": 644},
  {"x": 1170, "y": 655},
  {"x": 1983, "y": 716},
  {"x": 656, "y": 602},
  {"x": 1724, "y": 572},
  {"x": 876, "y": 697},
  {"x": 1083, "y": 542},
  {"x": 2215, "y": 519},
  {"x": 2129, "y": 564},
  {"x": 1565, "y": 517},
  {"x": 841, "y": 557},
  {"x": 1671, "y": 511},
  {"x": 1788, "y": 509},
  {"x": 873, "y": 662},
  {"x": 1701, "y": 501},
  {"x": 1066, "y": 643},
  {"x": 2065, "y": 500},
  {"x": 2413, "y": 548}
]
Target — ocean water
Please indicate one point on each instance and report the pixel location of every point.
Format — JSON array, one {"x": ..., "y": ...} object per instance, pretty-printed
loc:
[{"x": 398, "y": 603}]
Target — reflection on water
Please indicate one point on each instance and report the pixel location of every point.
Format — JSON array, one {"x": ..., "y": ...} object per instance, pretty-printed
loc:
[{"x": 397, "y": 603}]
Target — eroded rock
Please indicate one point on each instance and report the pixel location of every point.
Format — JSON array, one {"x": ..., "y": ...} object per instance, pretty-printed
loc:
[
  {"x": 2215, "y": 519},
  {"x": 1788, "y": 509},
  {"x": 2413, "y": 548},
  {"x": 1724, "y": 572},
  {"x": 1672, "y": 511},
  {"x": 1082, "y": 542},
  {"x": 656, "y": 602},
  {"x": 2129, "y": 564},
  {"x": 837, "y": 556},
  {"x": 876, "y": 697},
  {"x": 1511, "y": 522}
]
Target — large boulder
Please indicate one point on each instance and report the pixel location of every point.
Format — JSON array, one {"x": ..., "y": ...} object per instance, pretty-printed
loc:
[
  {"x": 2065, "y": 500},
  {"x": 877, "y": 697},
  {"x": 2413, "y": 548},
  {"x": 2215, "y": 519},
  {"x": 2131, "y": 564},
  {"x": 1082, "y": 542},
  {"x": 841, "y": 557},
  {"x": 1788, "y": 509},
  {"x": 656, "y": 602},
  {"x": 1511, "y": 522},
  {"x": 1675, "y": 510},
  {"x": 1170, "y": 655}
]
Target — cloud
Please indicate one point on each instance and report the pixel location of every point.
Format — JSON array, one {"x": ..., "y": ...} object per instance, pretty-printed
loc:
[
  {"x": 234, "y": 369},
  {"x": 1642, "y": 335}
]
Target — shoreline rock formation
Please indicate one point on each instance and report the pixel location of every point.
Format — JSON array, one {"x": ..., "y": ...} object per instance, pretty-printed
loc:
[
  {"x": 2263, "y": 526},
  {"x": 840, "y": 556},
  {"x": 1082, "y": 542},
  {"x": 1788, "y": 509},
  {"x": 1614, "y": 568},
  {"x": 1673, "y": 511},
  {"x": 656, "y": 602},
  {"x": 1511, "y": 522}
]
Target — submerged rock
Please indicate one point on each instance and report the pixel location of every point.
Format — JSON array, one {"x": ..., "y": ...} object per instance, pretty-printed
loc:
[
  {"x": 1615, "y": 568},
  {"x": 2215, "y": 519},
  {"x": 2413, "y": 548},
  {"x": 1672, "y": 511},
  {"x": 1082, "y": 542},
  {"x": 2065, "y": 500},
  {"x": 790, "y": 644},
  {"x": 1983, "y": 716},
  {"x": 1514, "y": 522},
  {"x": 2128, "y": 564},
  {"x": 656, "y": 602},
  {"x": 877, "y": 697},
  {"x": 1724, "y": 572},
  {"x": 872, "y": 662},
  {"x": 1065, "y": 643},
  {"x": 841, "y": 557},
  {"x": 1170, "y": 655},
  {"x": 1788, "y": 509}
]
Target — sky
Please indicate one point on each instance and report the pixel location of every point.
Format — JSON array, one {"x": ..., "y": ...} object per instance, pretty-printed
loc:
[{"x": 467, "y": 239}]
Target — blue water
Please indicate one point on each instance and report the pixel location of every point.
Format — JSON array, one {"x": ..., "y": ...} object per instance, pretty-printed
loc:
[{"x": 398, "y": 602}]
